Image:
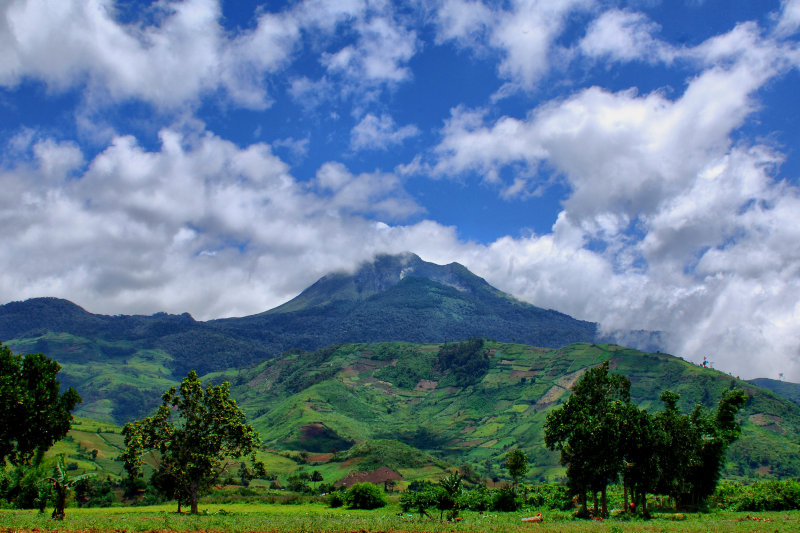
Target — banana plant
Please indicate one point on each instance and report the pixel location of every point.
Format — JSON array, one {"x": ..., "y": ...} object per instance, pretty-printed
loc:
[{"x": 62, "y": 483}]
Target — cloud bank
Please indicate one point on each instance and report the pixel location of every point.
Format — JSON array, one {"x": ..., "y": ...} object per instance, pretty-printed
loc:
[{"x": 674, "y": 217}]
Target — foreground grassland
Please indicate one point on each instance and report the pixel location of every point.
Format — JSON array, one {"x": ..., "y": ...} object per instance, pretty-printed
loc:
[{"x": 319, "y": 518}]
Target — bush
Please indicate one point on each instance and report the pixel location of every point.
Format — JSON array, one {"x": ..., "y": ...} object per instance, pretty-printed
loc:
[
  {"x": 336, "y": 499},
  {"x": 479, "y": 499},
  {"x": 365, "y": 496},
  {"x": 419, "y": 486},
  {"x": 506, "y": 500},
  {"x": 550, "y": 496},
  {"x": 418, "y": 501},
  {"x": 769, "y": 495}
]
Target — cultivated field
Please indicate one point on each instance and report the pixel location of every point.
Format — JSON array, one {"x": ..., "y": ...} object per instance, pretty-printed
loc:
[{"x": 319, "y": 518}]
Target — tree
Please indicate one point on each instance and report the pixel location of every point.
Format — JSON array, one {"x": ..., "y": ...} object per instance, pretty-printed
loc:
[
  {"x": 33, "y": 413},
  {"x": 62, "y": 483},
  {"x": 640, "y": 439},
  {"x": 469, "y": 474},
  {"x": 365, "y": 496},
  {"x": 419, "y": 501},
  {"x": 714, "y": 432},
  {"x": 691, "y": 448},
  {"x": 587, "y": 430},
  {"x": 316, "y": 477},
  {"x": 192, "y": 451},
  {"x": 516, "y": 464},
  {"x": 676, "y": 448},
  {"x": 448, "y": 493}
]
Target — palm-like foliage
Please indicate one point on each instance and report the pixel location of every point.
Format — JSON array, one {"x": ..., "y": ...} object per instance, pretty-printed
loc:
[{"x": 62, "y": 483}]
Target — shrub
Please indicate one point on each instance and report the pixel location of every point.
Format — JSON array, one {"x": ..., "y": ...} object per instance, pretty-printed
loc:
[
  {"x": 771, "y": 495},
  {"x": 506, "y": 499},
  {"x": 479, "y": 499},
  {"x": 336, "y": 499},
  {"x": 418, "y": 501},
  {"x": 419, "y": 486},
  {"x": 365, "y": 496},
  {"x": 550, "y": 496}
]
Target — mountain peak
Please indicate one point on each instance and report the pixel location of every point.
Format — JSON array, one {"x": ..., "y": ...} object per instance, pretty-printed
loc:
[
  {"x": 38, "y": 313},
  {"x": 379, "y": 275}
]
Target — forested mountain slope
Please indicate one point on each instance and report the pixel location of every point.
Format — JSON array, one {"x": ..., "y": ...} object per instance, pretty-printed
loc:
[
  {"x": 120, "y": 363},
  {"x": 484, "y": 398}
]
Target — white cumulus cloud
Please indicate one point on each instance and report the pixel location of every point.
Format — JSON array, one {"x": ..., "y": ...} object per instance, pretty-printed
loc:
[
  {"x": 624, "y": 36},
  {"x": 669, "y": 220},
  {"x": 177, "y": 58},
  {"x": 379, "y": 132},
  {"x": 199, "y": 225},
  {"x": 524, "y": 32}
]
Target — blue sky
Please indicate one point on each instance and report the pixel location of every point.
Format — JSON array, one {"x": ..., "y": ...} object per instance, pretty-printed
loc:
[{"x": 632, "y": 163}]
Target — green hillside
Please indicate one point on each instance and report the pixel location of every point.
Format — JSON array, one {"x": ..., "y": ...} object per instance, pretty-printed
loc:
[
  {"x": 327, "y": 400},
  {"x": 117, "y": 381},
  {"x": 790, "y": 391},
  {"x": 421, "y": 409},
  {"x": 91, "y": 446}
]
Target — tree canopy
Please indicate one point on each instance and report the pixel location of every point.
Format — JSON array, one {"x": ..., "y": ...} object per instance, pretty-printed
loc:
[
  {"x": 516, "y": 463},
  {"x": 193, "y": 434},
  {"x": 586, "y": 430},
  {"x": 602, "y": 435},
  {"x": 34, "y": 414}
]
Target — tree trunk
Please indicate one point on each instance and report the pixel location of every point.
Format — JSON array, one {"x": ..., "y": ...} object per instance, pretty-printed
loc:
[
  {"x": 625, "y": 496},
  {"x": 193, "y": 498},
  {"x": 643, "y": 499},
  {"x": 584, "y": 511},
  {"x": 604, "y": 502},
  {"x": 61, "y": 502}
]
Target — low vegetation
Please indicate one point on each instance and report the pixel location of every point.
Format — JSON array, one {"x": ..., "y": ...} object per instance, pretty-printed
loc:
[
  {"x": 320, "y": 518},
  {"x": 204, "y": 454}
]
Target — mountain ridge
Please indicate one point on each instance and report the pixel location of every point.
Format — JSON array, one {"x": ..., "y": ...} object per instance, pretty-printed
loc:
[
  {"x": 403, "y": 298},
  {"x": 313, "y": 376},
  {"x": 392, "y": 298}
]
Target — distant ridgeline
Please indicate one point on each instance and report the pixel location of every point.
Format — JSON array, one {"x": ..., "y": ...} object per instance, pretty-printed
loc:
[{"x": 393, "y": 298}]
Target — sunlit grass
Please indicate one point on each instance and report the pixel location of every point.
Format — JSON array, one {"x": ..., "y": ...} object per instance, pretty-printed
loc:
[{"x": 320, "y": 518}]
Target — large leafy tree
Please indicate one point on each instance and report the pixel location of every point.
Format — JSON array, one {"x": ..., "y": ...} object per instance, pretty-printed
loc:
[
  {"x": 192, "y": 436},
  {"x": 695, "y": 446},
  {"x": 587, "y": 430},
  {"x": 676, "y": 449},
  {"x": 34, "y": 414},
  {"x": 725, "y": 430},
  {"x": 640, "y": 440},
  {"x": 601, "y": 434}
]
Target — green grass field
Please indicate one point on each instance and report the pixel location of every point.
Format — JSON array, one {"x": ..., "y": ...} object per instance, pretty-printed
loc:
[{"x": 320, "y": 518}]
